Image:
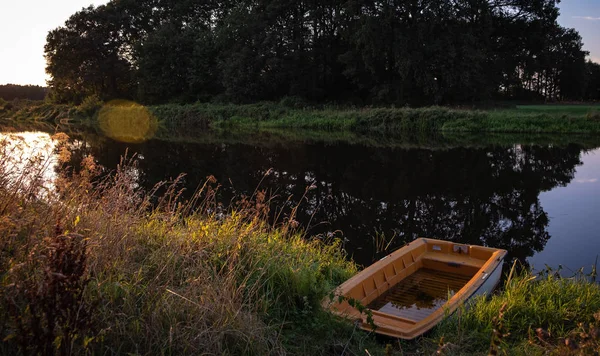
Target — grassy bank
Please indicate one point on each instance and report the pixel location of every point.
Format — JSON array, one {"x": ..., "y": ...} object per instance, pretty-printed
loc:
[
  {"x": 559, "y": 119},
  {"x": 40, "y": 111},
  {"x": 580, "y": 119},
  {"x": 274, "y": 137},
  {"x": 533, "y": 315}
]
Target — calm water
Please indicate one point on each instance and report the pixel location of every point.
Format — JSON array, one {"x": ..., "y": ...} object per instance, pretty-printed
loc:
[{"x": 540, "y": 202}]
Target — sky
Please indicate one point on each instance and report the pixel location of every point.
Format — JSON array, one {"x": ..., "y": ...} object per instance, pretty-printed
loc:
[
  {"x": 584, "y": 16},
  {"x": 25, "y": 23}
]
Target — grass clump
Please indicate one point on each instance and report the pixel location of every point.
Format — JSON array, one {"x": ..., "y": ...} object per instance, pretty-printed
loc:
[
  {"x": 96, "y": 265},
  {"x": 533, "y": 314},
  {"x": 90, "y": 105}
]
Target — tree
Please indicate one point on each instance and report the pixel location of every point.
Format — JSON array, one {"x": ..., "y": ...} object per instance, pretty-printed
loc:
[
  {"x": 89, "y": 56},
  {"x": 592, "y": 88},
  {"x": 364, "y": 51},
  {"x": 31, "y": 92}
]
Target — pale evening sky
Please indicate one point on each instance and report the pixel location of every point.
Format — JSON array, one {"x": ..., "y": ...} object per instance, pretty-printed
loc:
[{"x": 25, "y": 23}]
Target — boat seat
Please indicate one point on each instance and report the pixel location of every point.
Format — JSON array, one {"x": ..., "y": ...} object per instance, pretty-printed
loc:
[{"x": 453, "y": 258}]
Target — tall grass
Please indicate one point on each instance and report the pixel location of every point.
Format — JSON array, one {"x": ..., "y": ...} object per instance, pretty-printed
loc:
[{"x": 103, "y": 267}]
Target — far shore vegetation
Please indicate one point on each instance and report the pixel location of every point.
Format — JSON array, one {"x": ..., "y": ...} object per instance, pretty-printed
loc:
[
  {"x": 95, "y": 265},
  {"x": 390, "y": 121}
]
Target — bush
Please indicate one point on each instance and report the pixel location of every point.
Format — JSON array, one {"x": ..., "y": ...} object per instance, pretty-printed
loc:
[
  {"x": 293, "y": 102},
  {"x": 90, "y": 105}
]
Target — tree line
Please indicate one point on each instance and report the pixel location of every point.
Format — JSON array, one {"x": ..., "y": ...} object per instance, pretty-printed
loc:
[
  {"x": 13, "y": 91},
  {"x": 365, "y": 52}
]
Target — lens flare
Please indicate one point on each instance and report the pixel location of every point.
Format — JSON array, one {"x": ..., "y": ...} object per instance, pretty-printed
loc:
[{"x": 127, "y": 121}]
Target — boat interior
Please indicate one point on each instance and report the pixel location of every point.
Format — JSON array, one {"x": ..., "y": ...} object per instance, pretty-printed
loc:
[{"x": 431, "y": 272}]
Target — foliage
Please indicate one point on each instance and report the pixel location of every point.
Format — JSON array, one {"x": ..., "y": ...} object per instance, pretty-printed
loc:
[
  {"x": 201, "y": 118},
  {"x": 26, "y": 110},
  {"x": 51, "y": 314},
  {"x": 357, "y": 52},
  {"x": 88, "y": 56},
  {"x": 592, "y": 88},
  {"x": 90, "y": 105}
]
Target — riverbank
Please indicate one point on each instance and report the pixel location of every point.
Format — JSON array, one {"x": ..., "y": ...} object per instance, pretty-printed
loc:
[
  {"x": 576, "y": 119},
  {"x": 99, "y": 270},
  {"x": 532, "y": 314},
  {"x": 274, "y": 137},
  {"x": 390, "y": 121}
]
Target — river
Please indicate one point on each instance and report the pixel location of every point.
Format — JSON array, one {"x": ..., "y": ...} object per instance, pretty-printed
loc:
[{"x": 538, "y": 201}]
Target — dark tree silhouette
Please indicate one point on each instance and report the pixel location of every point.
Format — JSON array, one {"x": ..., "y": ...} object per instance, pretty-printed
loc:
[
  {"x": 357, "y": 51},
  {"x": 30, "y": 92}
]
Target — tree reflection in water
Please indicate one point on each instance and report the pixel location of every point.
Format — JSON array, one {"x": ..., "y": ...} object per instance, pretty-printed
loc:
[{"x": 479, "y": 195}]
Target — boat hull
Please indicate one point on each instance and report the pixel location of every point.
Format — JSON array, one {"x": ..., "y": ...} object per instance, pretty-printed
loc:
[
  {"x": 411, "y": 290},
  {"x": 491, "y": 283}
]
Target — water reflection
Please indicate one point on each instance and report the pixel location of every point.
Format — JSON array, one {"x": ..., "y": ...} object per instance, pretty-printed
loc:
[
  {"x": 573, "y": 212},
  {"x": 378, "y": 197}
]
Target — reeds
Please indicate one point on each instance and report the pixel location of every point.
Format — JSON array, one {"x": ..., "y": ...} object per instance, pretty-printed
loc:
[{"x": 27, "y": 110}]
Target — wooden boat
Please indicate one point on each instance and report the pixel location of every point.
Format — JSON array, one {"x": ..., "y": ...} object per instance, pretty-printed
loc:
[{"x": 409, "y": 291}]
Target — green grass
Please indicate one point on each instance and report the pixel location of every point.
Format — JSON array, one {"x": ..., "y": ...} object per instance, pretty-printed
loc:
[
  {"x": 579, "y": 119},
  {"x": 557, "y": 108},
  {"x": 385, "y": 121},
  {"x": 564, "y": 308}
]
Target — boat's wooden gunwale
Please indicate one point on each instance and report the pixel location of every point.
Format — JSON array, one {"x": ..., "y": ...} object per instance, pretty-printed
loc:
[{"x": 405, "y": 262}]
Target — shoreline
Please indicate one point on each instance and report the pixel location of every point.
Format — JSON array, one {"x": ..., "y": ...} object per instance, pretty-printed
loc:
[{"x": 533, "y": 119}]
